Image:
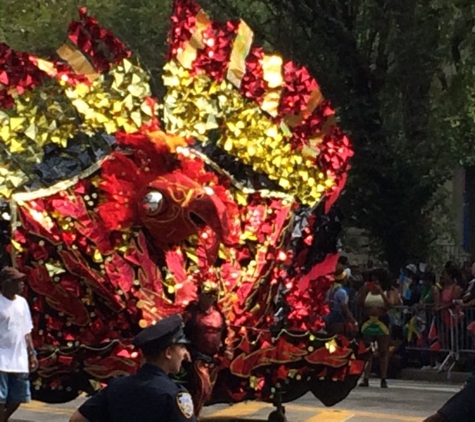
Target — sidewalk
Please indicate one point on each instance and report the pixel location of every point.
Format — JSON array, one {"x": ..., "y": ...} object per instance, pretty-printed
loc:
[{"x": 432, "y": 375}]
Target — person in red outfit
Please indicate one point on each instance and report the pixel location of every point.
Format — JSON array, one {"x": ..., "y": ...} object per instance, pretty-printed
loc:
[{"x": 206, "y": 328}]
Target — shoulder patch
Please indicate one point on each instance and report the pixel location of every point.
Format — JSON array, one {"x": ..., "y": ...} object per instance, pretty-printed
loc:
[{"x": 185, "y": 404}]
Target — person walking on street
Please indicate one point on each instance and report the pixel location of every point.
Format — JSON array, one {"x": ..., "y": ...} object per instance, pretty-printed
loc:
[
  {"x": 149, "y": 395},
  {"x": 376, "y": 300},
  {"x": 340, "y": 316},
  {"x": 17, "y": 354}
]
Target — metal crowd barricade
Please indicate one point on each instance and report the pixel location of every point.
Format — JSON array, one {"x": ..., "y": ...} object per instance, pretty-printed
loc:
[
  {"x": 430, "y": 331},
  {"x": 450, "y": 331},
  {"x": 467, "y": 333},
  {"x": 453, "y": 338}
]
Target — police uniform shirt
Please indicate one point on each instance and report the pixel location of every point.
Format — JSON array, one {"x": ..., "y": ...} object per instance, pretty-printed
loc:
[
  {"x": 148, "y": 396},
  {"x": 461, "y": 407}
]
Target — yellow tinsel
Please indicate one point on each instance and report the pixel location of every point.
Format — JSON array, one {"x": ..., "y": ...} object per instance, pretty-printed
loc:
[
  {"x": 195, "y": 104},
  {"x": 103, "y": 105},
  {"x": 56, "y": 111}
]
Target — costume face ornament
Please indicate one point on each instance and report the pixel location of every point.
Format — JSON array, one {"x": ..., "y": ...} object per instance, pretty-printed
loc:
[
  {"x": 233, "y": 187},
  {"x": 175, "y": 207},
  {"x": 152, "y": 203}
]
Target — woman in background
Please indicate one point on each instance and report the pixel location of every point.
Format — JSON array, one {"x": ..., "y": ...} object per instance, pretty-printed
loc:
[
  {"x": 376, "y": 297},
  {"x": 449, "y": 304}
]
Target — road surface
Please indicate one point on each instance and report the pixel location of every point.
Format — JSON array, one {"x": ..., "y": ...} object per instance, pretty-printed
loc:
[{"x": 403, "y": 401}]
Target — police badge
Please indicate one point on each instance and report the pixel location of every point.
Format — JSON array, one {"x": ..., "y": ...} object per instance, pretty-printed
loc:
[{"x": 185, "y": 404}]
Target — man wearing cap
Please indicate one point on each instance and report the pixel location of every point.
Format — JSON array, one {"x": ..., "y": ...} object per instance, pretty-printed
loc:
[
  {"x": 340, "y": 315},
  {"x": 17, "y": 354},
  {"x": 206, "y": 328},
  {"x": 149, "y": 395}
]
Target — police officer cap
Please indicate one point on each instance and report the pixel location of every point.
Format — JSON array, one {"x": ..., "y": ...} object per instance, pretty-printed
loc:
[{"x": 163, "y": 334}]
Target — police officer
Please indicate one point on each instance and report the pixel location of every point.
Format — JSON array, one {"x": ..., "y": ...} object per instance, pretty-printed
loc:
[
  {"x": 149, "y": 395},
  {"x": 460, "y": 408}
]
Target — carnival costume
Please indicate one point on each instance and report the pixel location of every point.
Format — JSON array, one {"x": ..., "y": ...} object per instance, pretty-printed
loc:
[
  {"x": 122, "y": 205},
  {"x": 208, "y": 333}
]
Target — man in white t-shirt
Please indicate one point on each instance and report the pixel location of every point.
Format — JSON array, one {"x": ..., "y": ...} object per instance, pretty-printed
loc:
[{"x": 17, "y": 354}]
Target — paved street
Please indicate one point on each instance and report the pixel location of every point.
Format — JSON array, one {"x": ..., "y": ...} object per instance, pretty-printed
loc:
[{"x": 404, "y": 401}]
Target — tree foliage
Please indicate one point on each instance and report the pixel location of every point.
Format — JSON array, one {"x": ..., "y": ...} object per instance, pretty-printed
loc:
[
  {"x": 400, "y": 73},
  {"x": 40, "y": 26}
]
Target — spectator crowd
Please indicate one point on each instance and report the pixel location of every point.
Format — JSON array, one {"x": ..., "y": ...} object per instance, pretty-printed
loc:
[{"x": 418, "y": 317}]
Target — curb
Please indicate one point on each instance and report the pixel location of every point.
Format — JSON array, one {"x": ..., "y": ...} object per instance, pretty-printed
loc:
[{"x": 432, "y": 375}]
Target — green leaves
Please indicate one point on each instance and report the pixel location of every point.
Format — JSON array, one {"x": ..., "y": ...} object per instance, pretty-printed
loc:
[{"x": 391, "y": 69}]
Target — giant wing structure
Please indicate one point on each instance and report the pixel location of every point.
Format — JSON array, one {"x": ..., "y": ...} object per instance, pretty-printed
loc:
[{"x": 121, "y": 204}]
